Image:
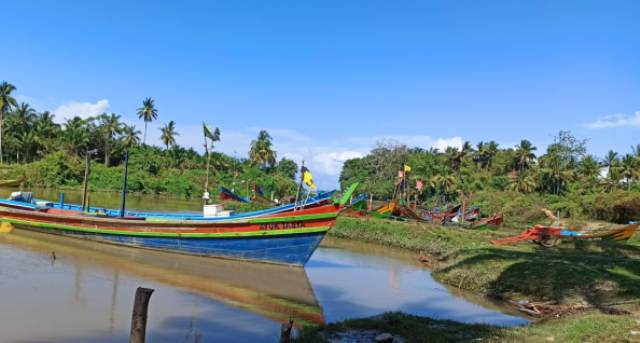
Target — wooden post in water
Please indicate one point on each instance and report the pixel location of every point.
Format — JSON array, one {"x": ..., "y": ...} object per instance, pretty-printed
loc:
[
  {"x": 139, "y": 317},
  {"x": 285, "y": 332}
]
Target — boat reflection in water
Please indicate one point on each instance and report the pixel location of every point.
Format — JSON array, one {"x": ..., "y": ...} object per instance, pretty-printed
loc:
[{"x": 95, "y": 271}]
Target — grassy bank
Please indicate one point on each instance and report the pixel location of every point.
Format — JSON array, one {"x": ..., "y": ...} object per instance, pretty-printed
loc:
[
  {"x": 585, "y": 291},
  {"x": 592, "y": 326}
]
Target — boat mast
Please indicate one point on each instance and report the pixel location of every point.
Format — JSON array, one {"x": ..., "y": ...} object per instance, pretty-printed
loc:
[
  {"x": 295, "y": 204},
  {"x": 205, "y": 195},
  {"x": 124, "y": 182},
  {"x": 85, "y": 182}
]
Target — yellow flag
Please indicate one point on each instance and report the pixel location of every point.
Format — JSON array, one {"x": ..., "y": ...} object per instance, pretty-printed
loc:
[
  {"x": 307, "y": 178},
  {"x": 407, "y": 168}
]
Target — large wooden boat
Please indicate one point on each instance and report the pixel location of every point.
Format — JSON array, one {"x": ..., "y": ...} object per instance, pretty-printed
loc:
[
  {"x": 283, "y": 238},
  {"x": 315, "y": 201}
]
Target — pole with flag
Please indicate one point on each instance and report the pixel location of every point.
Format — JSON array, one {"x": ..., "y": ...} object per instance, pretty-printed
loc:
[
  {"x": 295, "y": 204},
  {"x": 214, "y": 136}
]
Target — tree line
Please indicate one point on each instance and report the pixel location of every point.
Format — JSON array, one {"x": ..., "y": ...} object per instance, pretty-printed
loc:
[
  {"x": 28, "y": 136},
  {"x": 564, "y": 167}
]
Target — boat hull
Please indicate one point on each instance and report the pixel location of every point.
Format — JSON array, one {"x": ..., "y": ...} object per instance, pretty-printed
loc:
[
  {"x": 282, "y": 238},
  {"x": 294, "y": 249}
]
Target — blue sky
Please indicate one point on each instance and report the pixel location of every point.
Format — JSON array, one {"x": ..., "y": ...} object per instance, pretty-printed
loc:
[{"x": 330, "y": 78}]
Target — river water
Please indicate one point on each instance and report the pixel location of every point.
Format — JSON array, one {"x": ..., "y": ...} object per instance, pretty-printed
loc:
[{"x": 85, "y": 293}]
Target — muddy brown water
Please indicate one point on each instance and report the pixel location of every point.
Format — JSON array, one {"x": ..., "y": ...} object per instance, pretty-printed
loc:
[{"x": 86, "y": 293}]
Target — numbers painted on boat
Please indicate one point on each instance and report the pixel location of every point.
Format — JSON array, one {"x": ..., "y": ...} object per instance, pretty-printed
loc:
[{"x": 281, "y": 226}]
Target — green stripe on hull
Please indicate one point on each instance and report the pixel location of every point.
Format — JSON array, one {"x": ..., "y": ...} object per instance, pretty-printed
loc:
[
  {"x": 167, "y": 234},
  {"x": 303, "y": 217}
]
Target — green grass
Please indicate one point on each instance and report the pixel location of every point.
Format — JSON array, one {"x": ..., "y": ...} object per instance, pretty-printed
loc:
[
  {"x": 588, "y": 327},
  {"x": 424, "y": 238}
]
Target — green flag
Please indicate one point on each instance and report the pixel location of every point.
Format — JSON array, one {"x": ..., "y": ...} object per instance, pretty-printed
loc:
[{"x": 212, "y": 135}]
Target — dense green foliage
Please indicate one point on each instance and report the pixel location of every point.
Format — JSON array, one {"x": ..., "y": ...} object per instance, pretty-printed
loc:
[
  {"x": 563, "y": 178},
  {"x": 48, "y": 154}
]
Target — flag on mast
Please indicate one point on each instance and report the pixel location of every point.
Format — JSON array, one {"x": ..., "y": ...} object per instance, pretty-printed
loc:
[
  {"x": 212, "y": 135},
  {"x": 307, "y": 178}
]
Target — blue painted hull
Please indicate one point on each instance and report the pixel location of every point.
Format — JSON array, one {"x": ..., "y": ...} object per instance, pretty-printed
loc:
[{"x": 293, "y": 249}]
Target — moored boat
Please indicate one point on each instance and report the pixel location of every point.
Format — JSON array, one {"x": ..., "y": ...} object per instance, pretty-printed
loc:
[
  {"x": 33, "y": 204},
  {"x": 283, "y": 238}
]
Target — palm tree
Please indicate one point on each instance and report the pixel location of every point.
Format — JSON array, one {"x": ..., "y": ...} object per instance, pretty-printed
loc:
[
  {"x": 588, "y": 167},
  {"x": 6, "y": 103},
  {"x": 76, "y": 135},
  {"x": 454, "y": 156},
  {"x": 486, "y": 152},
  {"x": 130, "y": 136},
  {"x": 610, "y": 162},
  {"x": 168, "y": 134},
  {"x": 524, "y": 155},
  {"x": 110, "y": 126},
  {"x": 521, "y": 182},
  {"x": 148, "y": 113},
  {"x": 628, "y": 169},
  {"x": 47, "y": 132},
  {"x": 446, "y": 183},
  {"x": 262, "y": 152}
]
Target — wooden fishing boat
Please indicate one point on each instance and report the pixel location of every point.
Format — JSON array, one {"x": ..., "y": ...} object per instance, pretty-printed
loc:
[
  {"x": 11, "y": 183},
  {"x": 318, "y": 200},
  {"x": 548, "y": 236},
  {"x": 283, "y": 238},
  {"x": 227, "y": 194}
]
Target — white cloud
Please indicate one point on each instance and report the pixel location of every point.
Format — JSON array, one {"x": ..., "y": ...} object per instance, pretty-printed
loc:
[
  {"x": 421, "y": 141},
  {"x": 443, "y": 143},
  {"x": 331, "y": 162},
  {"x": 81, "y": 109},
  {"x": 616, "y": 120}
]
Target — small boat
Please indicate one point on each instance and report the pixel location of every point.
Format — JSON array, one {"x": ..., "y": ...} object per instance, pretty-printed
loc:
[
  {"x": 548, "y": 236},
  {"x": 11, "y": 183},
  {"x": 283, "y": 238},
  {"x": 495, "y": 220},
  {"x": 227, "y": 194}
]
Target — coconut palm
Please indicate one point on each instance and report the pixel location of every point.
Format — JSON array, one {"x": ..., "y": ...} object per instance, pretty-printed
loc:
[
  {"x": 262, "y": 152},
  {"x": 47, "y": 132},
  {"x": 148, "y": 113},
  {"x": 628, "y": 169},
  {"x": 168, "y": 134},
  {"x": 589, "y": 168},
  {"x": 521, "y": 182},
  {"x": 76, "y": 135},
  {"x": 610, "y": 162},
  {"x": 524, "y": 155},
  {"x": 6, "y": 103},
  {"x": 446, "y": 183},
  {"x": 110, "y": 126},
  {"x": 129, "y": 137}
]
